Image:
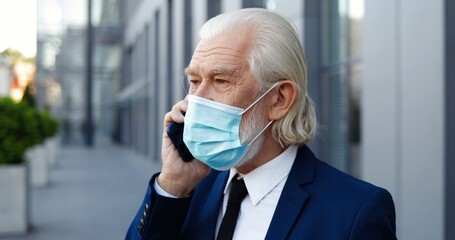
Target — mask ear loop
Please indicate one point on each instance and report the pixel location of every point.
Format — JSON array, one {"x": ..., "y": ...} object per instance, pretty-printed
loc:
[
  {"x": 259, "y": 99},
  {"x": 257, "y": 136}
]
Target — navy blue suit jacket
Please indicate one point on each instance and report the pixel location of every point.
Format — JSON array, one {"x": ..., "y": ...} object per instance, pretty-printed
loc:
[{"x": 317, "y": 202}]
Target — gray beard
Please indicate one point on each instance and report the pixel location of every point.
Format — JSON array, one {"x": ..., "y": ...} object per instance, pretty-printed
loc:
[{"x": 251, "y": 128}]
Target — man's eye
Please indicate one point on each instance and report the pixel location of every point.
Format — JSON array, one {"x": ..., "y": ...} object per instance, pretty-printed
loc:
[
  {"x": 221, "y": 81},
  {"x": 194, "y": 82}
]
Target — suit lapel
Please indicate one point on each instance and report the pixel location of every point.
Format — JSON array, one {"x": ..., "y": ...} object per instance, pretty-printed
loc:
[
  {"x": 212, "y": 206},
  {"x": 294, "y": 196}
]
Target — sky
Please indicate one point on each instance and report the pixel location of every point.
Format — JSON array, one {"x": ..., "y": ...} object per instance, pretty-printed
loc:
[{"x": 18, "y": 26}]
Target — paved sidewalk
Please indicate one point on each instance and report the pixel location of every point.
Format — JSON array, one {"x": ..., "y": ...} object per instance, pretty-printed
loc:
[{"x": 93, "y": 194}]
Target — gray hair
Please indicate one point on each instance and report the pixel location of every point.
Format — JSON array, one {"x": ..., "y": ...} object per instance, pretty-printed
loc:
[{"x": 276, "y": 54}]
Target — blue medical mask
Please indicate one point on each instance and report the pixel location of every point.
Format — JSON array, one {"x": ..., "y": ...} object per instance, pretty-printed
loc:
[{"x": 212, "y": 132}]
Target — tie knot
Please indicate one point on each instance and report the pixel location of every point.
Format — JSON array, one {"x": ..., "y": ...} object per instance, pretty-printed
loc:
[{"x": 238, "y": 190}]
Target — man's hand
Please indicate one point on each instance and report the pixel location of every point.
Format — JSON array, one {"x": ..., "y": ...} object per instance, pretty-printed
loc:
[{"x": 177, "y": 177}]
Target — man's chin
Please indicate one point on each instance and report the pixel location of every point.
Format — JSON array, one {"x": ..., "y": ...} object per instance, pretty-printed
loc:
[{"x": 251, "y": 154}]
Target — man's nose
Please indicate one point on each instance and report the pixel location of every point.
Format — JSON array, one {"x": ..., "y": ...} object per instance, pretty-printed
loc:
[{"x": 205, "y": 90}]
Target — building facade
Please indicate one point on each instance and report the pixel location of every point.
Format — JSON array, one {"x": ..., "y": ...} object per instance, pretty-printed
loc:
[
  {"x": 82, "y": 98},
  {"x": 5, "y": 76},
  {"x": 408, "y": 112},
  {"x": 378, "y": 72}
]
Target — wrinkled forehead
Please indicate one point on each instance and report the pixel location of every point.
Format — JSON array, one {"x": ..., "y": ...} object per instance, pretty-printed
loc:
[{"x": 223, "y": 51}]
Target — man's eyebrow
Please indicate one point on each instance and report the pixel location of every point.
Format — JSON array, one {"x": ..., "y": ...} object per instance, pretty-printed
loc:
[
  {"x": 222, "y": 71},
  {"x": 215, "y": 71},
  {"x": 189, "y": 71}
]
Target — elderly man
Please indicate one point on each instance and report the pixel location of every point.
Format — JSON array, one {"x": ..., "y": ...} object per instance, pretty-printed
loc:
[{"x": 248, "y": 118}]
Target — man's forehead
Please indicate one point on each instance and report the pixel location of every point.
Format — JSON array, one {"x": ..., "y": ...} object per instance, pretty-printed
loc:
[{"x": 223, "y": 54}]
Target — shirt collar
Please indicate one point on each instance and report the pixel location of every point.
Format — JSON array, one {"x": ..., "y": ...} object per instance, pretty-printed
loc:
[{"x": 263, "y": 179}]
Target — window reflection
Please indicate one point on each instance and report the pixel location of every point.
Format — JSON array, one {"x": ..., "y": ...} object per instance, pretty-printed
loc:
[{"x": 341, "y": 80}]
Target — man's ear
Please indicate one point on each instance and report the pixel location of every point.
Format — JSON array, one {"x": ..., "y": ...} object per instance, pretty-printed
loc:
[{"x": 283, "y": 98}]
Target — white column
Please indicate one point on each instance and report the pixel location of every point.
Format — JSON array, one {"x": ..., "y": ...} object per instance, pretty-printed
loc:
[
  {"x": 230, "y": 5},
  {"x": 422, "y": 123},
  {"x": 403, "y": 110},
  {"x": 199, "y": 18},
  {"x": 291, "y": 9},
  {"x": 178, "y": 51},
  {"x": 163, "y": 58},
  {"x": 380, "y": 110}
]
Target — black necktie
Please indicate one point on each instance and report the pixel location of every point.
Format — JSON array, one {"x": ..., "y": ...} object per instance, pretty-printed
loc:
[{"x": 236, "y": 195}]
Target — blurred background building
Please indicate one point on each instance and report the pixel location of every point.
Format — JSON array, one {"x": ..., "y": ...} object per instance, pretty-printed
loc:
[
  {"x": 378, "y": 72},
  {"x": 86, "y": 103},
  {"x": 5, "y": 76}
]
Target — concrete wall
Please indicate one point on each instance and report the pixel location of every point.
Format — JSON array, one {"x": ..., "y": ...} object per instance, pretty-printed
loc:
[{"x": 403, "y": 110}]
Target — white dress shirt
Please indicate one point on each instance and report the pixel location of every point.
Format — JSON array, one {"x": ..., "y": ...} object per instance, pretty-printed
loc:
[{"x": 264, "y": 185}]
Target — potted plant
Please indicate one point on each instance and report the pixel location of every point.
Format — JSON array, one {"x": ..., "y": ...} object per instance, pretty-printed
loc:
[
  {"x": 50, "y": 130},
  {"x": 18, "y": 132},
  {"x": 37, "y": 155}
]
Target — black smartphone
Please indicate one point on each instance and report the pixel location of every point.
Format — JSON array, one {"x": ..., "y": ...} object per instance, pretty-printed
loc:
[{"x": 175, "y": 133}]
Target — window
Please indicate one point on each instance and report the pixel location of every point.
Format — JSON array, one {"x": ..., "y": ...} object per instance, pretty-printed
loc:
[
  {"x": 253, "y": 4},
  {"x": 333, "y": 34}
]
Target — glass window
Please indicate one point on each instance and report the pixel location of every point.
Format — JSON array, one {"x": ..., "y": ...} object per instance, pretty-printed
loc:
[
  {"x": 253, "y": 4},
  {"x": 188, "y": 36},
  {"x": 341, "y": 78},
  {"x": 157, "y": 80},
  {"x": 213, "y": 8},
  {"x": 170, "y": 55}
]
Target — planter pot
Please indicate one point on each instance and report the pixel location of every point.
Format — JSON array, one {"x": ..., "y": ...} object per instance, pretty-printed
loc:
[
  {"x": 37, "y": 158},
  {"x": 53, "y": 146},
  {"x": 50, "y": 151},
  {"x": 14, "y": 200}
]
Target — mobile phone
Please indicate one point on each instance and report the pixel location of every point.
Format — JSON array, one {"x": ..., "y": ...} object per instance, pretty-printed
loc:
[{"x": 175, "y": 133}]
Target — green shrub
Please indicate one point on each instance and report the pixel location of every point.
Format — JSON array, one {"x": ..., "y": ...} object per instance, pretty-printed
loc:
[
  {"x": 49, "y": 125},
  {"x": 19, "y": 130}
]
